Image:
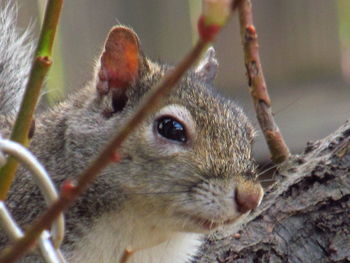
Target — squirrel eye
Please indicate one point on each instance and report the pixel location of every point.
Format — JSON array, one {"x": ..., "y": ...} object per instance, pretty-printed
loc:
[{"x": 171, "y": 129}]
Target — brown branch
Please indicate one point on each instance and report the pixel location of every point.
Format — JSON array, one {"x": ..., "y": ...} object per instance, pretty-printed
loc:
[
  {"x": 262, "y": 103},
  {"x": 72, "y": 190},
  {"x": 126, "y": 255}
]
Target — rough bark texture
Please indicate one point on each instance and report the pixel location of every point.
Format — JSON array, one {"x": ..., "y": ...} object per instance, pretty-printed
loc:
[{"x": 305, "y": 215}]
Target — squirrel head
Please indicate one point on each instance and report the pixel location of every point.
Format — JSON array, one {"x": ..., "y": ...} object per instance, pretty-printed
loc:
[{"x": 189, "y": 164}]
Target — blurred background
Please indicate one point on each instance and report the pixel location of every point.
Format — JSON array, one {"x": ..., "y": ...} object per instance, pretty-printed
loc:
[{"x": 304, "y": 47}]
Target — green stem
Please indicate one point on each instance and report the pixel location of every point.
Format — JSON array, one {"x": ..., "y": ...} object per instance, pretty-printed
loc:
[
  {"x": 55, "y": 83},
  {"x": 38, "y": 73}
]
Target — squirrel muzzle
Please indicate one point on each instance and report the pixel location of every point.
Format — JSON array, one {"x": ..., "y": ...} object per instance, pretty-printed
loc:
[{"x": 248, "y": 196}]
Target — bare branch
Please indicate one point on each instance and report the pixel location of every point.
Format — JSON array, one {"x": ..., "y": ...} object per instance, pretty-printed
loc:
[
  {"x": 256, "y": 80},
  {"x": 126, "y": 256},
  {"x": 208, "y": 29}
]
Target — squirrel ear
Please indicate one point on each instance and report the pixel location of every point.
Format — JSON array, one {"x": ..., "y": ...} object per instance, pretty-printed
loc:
[
  {"x": 208, "y": 66},
  {"x": 119, "y": 64}
]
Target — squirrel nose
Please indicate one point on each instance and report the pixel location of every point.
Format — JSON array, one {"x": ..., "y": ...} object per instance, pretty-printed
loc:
[{"x": 248, "y": 196}]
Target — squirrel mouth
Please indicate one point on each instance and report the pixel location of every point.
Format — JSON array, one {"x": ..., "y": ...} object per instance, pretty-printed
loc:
[{"x": 209, "y": 225}]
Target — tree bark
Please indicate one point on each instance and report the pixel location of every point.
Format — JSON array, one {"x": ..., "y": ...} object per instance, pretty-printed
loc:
[{"x": 304, "y": 216}]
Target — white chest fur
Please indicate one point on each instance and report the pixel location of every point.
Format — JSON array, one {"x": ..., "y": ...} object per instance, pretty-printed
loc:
[{"x": 107, "y": 241}]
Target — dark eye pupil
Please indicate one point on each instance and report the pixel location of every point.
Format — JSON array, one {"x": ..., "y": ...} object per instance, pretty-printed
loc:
[{"x": 171, "y": 129}]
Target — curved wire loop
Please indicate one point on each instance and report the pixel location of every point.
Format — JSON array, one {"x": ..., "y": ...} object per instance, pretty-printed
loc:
[{"x": 51, "y": 253}]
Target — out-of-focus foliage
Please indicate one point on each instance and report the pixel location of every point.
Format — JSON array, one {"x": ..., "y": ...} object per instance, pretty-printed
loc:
[
  {"x": 195, "y": 10},
  {"x": 303, "y": 47},
  {"x": 344, "y": 34},
  {"x": 344, "y": 21}
]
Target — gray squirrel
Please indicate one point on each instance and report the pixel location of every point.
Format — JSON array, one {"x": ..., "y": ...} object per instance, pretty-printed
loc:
[{"x": 185, "y": 172}]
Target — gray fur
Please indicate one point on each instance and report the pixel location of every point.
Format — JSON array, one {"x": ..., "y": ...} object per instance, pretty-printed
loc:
[
  {"x": 15, "y": 60},
  {"x": 152, "y": 186}
]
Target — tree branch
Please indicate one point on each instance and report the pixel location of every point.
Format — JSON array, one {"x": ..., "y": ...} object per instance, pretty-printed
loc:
[
  {"x": 256, "y": 80},
  {"x": 209, "y": 25}
]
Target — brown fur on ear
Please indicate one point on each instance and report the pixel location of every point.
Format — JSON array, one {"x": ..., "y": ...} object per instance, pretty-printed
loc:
[{"x": 120, "y": 63}]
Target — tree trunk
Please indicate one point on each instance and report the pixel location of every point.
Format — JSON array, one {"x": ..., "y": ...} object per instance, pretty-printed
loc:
[{"x": 304, "y": 216}]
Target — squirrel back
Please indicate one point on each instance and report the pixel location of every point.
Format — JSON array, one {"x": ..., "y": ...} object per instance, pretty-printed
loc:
[{"x": 186, "y": 171}]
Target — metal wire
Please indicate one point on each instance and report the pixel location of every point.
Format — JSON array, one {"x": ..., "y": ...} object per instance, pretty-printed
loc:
[
  {"x": 49, "y": 250},
  {"x": 13, "y": 231}
]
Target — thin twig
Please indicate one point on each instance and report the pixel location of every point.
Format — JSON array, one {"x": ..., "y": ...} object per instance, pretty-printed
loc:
[
  {"x": 262, "y": 103},
  {"x": 72, "y": 190},
  {"x": 126, "y": 255},
  {"x": 42, "y": 63}
]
